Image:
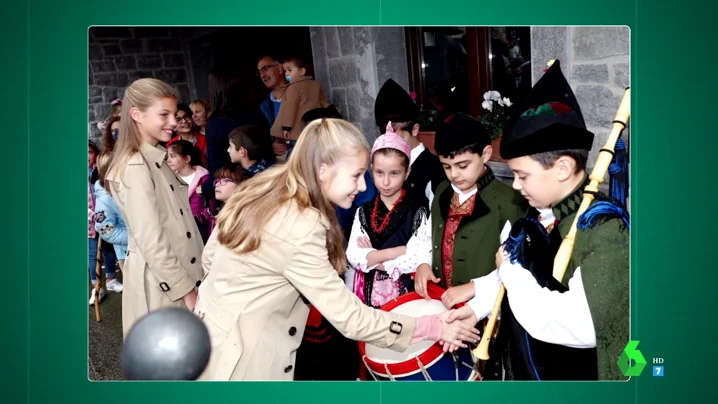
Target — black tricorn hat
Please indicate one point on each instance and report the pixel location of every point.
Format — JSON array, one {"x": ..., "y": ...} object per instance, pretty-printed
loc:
[
  {"x": 548, "y": 119},
  {"x": 459, "y": 131},
  {"x": 394, "y": 104},
  {"x": 318, "y": 113}
]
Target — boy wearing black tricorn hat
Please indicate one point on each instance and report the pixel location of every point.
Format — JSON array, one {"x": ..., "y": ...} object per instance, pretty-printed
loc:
[
  {"x": 468, "y": 212},
  {"x": 393, "y": 104},
  {"x": 577, "y": 327}
]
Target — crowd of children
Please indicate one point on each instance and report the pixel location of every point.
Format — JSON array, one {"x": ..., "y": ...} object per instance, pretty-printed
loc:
[{"x": 288, "y": 264}]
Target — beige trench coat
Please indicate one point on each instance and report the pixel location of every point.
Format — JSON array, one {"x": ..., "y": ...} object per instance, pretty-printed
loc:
[
  {"x": 164, "y": 251},
  {"x": 256, "y": 305}
]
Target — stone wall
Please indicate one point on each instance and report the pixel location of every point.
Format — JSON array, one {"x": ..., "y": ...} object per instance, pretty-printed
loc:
[
  {"x": 595, "y": 60},
  {"x": 120, "y": 55},
  {"x": 353, "y": 63}
]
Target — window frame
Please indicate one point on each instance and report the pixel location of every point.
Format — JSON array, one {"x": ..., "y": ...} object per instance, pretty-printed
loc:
[{"x": 478, "y": 65}]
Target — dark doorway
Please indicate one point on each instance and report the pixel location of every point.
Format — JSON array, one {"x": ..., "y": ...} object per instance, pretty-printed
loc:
[{"x": 235, "y": 50}]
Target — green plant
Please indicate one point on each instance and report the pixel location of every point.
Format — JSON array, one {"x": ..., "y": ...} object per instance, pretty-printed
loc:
[
  {"x": 496, "y": 118},
  {"x": 427, "y": 119}
]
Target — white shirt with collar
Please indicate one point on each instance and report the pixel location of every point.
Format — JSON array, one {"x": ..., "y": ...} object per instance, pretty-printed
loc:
[
  {"x": 463, "y": 197},
  {"x": 547, "y": 216}
]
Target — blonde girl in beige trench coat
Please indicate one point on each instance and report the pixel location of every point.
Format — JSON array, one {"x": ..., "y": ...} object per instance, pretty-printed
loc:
[
  {"x": 163, "y": 264},
  {"x": 278, "y": 247}
]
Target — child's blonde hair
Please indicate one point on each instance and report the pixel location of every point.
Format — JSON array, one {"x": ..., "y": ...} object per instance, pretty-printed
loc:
[
  {"x": 141, "y": 94},
  {"x": 325, "y": 141}
]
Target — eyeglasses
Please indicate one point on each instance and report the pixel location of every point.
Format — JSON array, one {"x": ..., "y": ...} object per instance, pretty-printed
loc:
[
  {"x": 186, "y": 118},
  {"x": 265, "y": 68},
  {"x": 223, "y": 181}
]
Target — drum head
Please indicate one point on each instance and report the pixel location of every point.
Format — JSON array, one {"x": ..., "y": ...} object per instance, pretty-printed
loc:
[
  {"x": 413, "y": 308},
  {"x": 382, "y": 362}
]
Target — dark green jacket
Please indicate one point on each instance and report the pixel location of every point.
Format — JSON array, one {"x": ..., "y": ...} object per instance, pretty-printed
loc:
[
  {"x": 477, "y": 238},
  {"x": 602, "y": 254}
]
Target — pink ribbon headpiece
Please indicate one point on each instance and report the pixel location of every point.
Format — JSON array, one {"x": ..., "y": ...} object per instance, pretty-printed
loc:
[{"x": 390, "y": 140}]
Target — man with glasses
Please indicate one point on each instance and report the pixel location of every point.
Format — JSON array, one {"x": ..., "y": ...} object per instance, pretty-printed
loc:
[{"x": 271, "y": 73}]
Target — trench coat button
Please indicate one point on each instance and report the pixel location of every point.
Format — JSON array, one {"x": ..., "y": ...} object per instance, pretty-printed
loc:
[
  {"x": 181, "y": 212},
  {"x": 193, "y": 260},
  {"x": 436, "y": 247},
  {"x": 441, "y": 226},
  {"x": 411, "y": 185},
  {"x": 172, "y": 187},
  {"x": 189, "y": 235},
  {"x": 158, "y": 165},
  {"x": 198, "y": 283},
  {"x": 292, "y": 331},
  {"x": 288, "y": 369}
]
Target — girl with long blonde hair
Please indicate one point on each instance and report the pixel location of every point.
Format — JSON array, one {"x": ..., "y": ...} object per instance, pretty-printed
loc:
[
  {"x": 278, "y": 247},
  {"x": 162, "y": 267}
]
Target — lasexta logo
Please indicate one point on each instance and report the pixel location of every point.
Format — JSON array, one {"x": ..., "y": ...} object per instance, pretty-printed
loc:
[{"x": 631, "y": 353}]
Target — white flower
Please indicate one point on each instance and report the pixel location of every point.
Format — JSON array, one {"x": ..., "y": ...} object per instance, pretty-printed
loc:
[
  {"x": 493, "y": 95},
  {"x": 487, "y": 105},
  {"x": 507, "y": 102}
]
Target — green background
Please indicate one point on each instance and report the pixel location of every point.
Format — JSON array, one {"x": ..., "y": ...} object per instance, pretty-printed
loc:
[{"x": 44, "y": 106}]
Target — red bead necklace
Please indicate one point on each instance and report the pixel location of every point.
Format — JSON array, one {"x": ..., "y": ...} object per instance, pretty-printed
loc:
[{"x": 379, "y": 228}]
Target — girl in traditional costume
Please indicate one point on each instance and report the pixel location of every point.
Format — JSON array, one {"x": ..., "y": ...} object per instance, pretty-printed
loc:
[{"x": 391, "y": 235}]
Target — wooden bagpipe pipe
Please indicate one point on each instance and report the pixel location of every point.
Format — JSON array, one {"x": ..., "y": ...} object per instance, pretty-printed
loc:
[{"x": 563, "y": 253}]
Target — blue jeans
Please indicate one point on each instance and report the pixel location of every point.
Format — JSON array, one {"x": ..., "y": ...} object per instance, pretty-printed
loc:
[{"x": 108, "y": 258}]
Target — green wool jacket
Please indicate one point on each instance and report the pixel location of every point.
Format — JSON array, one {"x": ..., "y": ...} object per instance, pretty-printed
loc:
[
  {"x": 602, "y": 254},
  {"x": 477, "y": 238}
]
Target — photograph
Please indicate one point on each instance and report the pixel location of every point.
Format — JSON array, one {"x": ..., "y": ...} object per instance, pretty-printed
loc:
[{"x": 359, "y": 203}]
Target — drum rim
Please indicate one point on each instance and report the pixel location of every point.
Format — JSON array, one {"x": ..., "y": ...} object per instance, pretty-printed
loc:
[{"x": 410, "y": 366}]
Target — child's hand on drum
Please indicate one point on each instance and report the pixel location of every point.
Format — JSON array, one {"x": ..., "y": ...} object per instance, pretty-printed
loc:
[
  {"x": 457, "y": 332},
  {"x": 451, "y": 348},
  {"x": 458, "y": 294},
  {"x": 424, "y": 274},
  {"x": 463, "y": 314}
]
